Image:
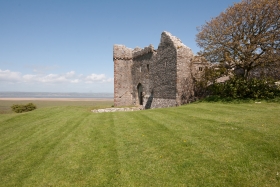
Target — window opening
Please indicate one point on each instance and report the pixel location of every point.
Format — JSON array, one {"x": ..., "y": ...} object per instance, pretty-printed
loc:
[
  {"x": 200, "y": 68},
  {"x": 148, "y": 67},
  {"x": 140, "y": 93}
]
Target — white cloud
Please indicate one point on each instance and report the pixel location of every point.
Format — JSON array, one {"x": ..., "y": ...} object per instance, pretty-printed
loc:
[
  {"x": 28, "y": 77},
  {"x": 94, "y": 77},
  {"x": 70, "y": 74},
  {"x": 75, "y": 81},
  {"x": 69, "y": 77},
  {"x": 97, "y": 78},
  {"x": 55, "y": 78},
  {"x": 9, "y": 76}
]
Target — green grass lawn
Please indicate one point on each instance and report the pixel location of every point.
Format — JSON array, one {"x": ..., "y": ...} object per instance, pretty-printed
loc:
[
  {"x": 5, "y": 105},
  {"x": 204, "y": 144}
]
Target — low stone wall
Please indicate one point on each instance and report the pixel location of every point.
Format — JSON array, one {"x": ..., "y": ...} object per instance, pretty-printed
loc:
[{"x": 117, "y": 109}]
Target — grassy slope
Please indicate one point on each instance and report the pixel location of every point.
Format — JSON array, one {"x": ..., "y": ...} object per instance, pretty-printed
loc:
[{"x": 201, "y": 144}]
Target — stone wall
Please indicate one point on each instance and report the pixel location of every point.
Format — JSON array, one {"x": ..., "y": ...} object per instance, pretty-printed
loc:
[
  {"x": 143, "y": 65},
  {"x": 185, "y": 81},
  {"x": 122, "y": 76},
  {"x": 164, "y": 71},
  {"x": 163, "y": 76}
]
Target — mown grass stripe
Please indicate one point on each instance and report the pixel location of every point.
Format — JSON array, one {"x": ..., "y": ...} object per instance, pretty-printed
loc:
[
  {"x": 36, "y": 151},
  {"x": 27, "y": 128},
  {"x": 183, "y": 146},
  {"x": 96, "y": 163}
]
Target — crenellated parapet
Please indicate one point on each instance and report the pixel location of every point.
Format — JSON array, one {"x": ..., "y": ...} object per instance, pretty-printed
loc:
[
  {"x": 138, "y": 52},
  {"x": 122, "y": 52}
]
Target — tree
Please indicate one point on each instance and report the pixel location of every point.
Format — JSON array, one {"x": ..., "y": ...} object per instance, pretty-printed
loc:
[{"x": 244, "y": 36}]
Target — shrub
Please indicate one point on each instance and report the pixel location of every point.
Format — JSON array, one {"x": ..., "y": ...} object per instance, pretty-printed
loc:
[
  {"x": 23, "y": 108},
  {"x": 239, "y": 87},
  {"x": 208, "y": 77}
]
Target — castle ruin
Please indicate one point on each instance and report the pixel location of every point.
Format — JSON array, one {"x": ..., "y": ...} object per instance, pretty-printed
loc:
[{"x": 155, "y": 78}]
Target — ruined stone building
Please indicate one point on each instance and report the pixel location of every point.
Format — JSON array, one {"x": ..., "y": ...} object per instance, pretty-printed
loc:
[{"x": 155, "y": 78}]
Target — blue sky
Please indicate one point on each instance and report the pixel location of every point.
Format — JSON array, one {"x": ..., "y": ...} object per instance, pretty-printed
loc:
[{"x": 67, "y": 45}]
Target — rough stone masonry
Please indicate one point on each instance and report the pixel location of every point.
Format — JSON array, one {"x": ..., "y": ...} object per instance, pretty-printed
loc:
[{"x": 155, "y": 78}]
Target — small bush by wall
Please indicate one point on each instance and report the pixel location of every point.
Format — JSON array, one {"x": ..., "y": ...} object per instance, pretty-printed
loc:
[{"x": 23, "y": 108}]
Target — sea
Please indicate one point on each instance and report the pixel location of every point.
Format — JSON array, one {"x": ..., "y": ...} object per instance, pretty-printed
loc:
[{"x": 54, "y": 95}]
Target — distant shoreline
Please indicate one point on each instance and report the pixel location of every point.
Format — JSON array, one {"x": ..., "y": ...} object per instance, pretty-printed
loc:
[
  {"x": 55, "y": 96},
  {"x": 55, "y": 99}
]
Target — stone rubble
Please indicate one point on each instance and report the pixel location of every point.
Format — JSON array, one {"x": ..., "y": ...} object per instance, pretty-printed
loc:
[{"x": 117, "y": 109}]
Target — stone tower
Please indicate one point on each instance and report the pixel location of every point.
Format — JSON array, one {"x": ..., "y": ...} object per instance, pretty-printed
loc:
[{"x": 154, "y": 78}]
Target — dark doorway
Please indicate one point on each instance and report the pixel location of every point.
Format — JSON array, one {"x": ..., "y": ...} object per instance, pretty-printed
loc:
[{"x": 140, "y": 93}]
